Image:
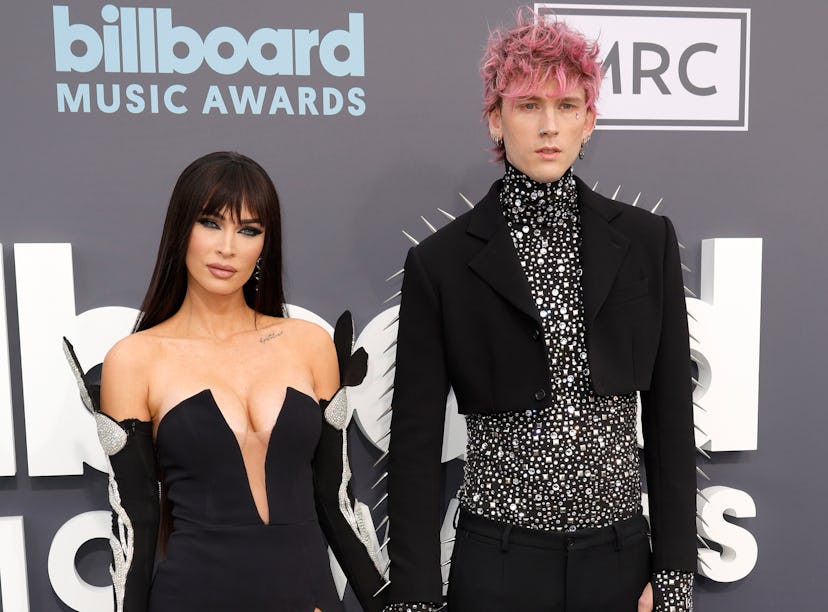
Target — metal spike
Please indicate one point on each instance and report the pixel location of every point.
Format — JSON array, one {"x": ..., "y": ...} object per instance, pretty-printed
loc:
[
  {"x": 685, "y": 268},
  {"x": 698, "y": 384},
  {"x": 396, "y": 295},
  {"x": 698, "y": 469},
  {"x": 385, "y": 412},
  {"x": 381, "y": 499},
  {"x": 703, "y": 432},
  {"x": 394, "y": 320},
  {"x": 387, "y": 391},
  {"x": 382, "y": 588},
  {"x": 391, "y": 367},
  {"x": 703, "y": 542},
  {"x": 595, "y": 186},
  {"x": 703, "y": 452},
  {"x": 447, "y": 541},
  {"x": 381, "y": 478},
  {"x": 635, "y": 201},
  {"x": 655, "y": 208},
  {"x": 390, "y": 346},
  {"x": 700, "y": 407},
  {"x": 378, "y": 461},
  {"x": 381, "y": 523},
  {"x": 449, "y": 216},
  {"x": 615, "y": 195},
  {"x": 702, "y": 495},
  {"x": 384, "y": 544},
  {"x": 411, "y": 238},
  {"x": 467, "y": 201},
  {"x": 385, "y": 435},
  {"x": 395, "y": 275},
  {"x": 428, "y": 225},
  {"x": 689, "y": 291}
]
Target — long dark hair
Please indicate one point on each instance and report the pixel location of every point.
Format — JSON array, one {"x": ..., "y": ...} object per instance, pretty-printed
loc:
[{"x": 221, "y": 182}]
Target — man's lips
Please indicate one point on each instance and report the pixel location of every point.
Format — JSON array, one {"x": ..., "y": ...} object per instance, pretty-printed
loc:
[
  {"x": 221, "y": 270},
  {"x": 548, "y": 153}
]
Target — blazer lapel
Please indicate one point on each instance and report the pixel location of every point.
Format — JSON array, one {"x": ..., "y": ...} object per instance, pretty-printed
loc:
[
  {"x": 497, "y": 262},
  {"x": 602, "y": 248}
]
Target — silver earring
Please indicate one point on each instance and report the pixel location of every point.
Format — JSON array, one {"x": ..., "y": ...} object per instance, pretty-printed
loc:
[
  {"x": 257, "y": 272},
  {"x": 581, "y": 153}
]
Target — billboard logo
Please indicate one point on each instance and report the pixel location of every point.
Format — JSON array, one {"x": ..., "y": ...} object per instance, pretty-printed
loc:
[
  {"x": 145, "y": 39},
  {"x": 667, "y": 68}
]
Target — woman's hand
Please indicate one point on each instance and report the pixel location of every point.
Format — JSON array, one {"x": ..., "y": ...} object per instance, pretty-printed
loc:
[{"x": 645, "y": 602}]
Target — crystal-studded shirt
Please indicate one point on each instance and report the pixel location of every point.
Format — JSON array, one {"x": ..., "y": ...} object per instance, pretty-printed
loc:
[{"x": 574, "y": 463}]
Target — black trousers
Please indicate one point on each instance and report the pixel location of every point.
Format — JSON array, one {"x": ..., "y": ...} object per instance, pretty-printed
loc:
[{"x": 498, "y": 567}]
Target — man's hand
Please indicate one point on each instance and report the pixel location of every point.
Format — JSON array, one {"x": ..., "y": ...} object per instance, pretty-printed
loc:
[{"x": 645, "y": 602}]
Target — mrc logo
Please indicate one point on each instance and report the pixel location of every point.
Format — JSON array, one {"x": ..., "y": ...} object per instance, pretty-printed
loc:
[{"x": 667, "y": 68}]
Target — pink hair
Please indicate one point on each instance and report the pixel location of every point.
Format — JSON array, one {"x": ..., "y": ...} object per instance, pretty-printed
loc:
[{"x": 517, "y": 62}]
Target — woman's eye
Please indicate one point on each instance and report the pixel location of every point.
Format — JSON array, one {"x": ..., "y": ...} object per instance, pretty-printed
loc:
[
  {"x": 250, "y": 231},
  {"x": 208, "y": 222}
]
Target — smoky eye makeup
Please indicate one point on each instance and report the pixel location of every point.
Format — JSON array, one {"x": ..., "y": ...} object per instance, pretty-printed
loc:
[{"x": 209, "y": 222}]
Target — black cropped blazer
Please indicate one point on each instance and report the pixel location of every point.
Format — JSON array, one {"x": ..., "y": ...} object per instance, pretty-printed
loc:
[{"x": 467, "y": 321}]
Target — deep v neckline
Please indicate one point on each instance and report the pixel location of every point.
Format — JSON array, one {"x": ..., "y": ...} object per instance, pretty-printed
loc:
[{"x": 207, "y": 392}]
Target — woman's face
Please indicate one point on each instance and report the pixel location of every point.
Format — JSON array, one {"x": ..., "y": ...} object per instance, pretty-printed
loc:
[
  {"x": 543, "y": 132},
  {"x": 221, "y": 254}
]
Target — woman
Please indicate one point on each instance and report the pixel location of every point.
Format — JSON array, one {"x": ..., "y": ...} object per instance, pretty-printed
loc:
[
  {"x": 577, "y": 305},
  {"x": 229, "y": 390}
]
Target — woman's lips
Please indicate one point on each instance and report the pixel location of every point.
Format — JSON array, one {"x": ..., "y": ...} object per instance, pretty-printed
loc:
[{"x": 221, "y": 271}]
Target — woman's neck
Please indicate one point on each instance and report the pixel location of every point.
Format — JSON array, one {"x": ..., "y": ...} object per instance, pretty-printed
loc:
[{"x": 207, "y": 315}]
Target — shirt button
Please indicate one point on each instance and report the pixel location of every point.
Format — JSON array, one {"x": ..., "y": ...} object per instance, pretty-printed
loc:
[{"x": 540, "y": 394}]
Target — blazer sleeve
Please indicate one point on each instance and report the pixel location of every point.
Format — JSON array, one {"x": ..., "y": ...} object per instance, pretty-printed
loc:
[
  {"x": 415, "y": 470},
  {"x": 667, "y": 419}
]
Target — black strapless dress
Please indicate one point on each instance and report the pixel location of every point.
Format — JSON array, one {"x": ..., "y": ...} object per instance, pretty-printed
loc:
[{"x": 221, "y": 556}]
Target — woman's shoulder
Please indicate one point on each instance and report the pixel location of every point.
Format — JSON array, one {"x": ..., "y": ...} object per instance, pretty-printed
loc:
[{"x": 133, "y": 351}]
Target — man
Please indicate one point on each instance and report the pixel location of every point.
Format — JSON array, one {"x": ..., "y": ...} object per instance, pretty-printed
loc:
[{"x": 546, "y": 308}]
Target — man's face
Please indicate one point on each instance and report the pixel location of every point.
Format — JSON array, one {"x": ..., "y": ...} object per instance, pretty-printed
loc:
[{"x": 543, "y": 132}]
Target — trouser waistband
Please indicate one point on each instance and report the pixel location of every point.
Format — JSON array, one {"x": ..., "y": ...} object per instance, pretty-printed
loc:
[{"x": 616, "y": 534}]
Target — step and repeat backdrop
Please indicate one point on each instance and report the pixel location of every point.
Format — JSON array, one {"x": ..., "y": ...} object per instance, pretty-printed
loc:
[{"x": 367, "y": 116}]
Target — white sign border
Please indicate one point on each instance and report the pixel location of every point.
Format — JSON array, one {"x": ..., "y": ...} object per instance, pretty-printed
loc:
[{"x": 742, "y": 14}]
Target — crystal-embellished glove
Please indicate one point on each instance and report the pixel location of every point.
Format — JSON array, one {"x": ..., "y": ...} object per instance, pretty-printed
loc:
[
  {"x": 133, "y": 492},
  {"x": 346, "y": 522}
]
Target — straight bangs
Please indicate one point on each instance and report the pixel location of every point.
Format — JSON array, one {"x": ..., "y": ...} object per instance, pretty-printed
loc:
[{"x": 239, "y": 192}]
